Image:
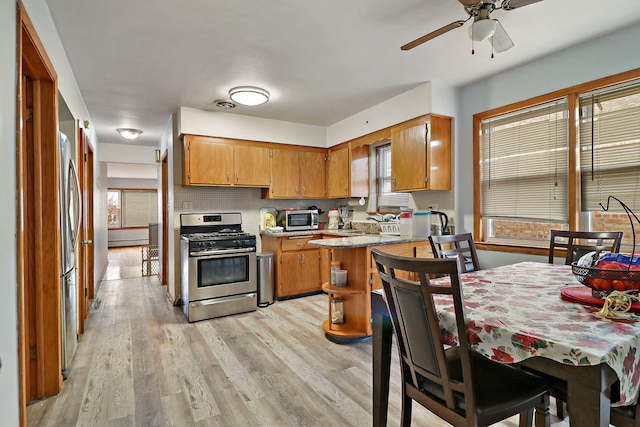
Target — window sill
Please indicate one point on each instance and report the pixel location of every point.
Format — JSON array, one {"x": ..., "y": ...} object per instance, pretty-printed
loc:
[{"x": 512, "y": 248}]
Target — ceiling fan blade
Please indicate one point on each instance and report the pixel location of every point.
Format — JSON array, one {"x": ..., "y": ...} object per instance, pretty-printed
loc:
[
  {"x": 515, "y": 4},
  {"x": 433, "y": 35},
  {"x": 501, "y": 40}
]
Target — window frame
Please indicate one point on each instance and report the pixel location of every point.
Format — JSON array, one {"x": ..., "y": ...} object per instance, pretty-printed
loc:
[
  {"x": 573, "y": 180},
  {"x": 120, "y": 191}
]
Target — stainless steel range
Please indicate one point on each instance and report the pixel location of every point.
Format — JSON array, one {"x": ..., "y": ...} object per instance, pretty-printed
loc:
[{"x": 218, "y": 260}]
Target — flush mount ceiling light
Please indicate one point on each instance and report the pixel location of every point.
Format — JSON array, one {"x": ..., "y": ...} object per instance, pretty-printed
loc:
[
  {"x": 249, "y": 95},
  {"x": 128, "y": 133}
]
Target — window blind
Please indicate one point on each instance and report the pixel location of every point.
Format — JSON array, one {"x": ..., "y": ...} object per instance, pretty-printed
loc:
[
  {"x": 386, "y": 197},
  {"x": 139, "y": 208},
  {"x": 524, "y": 164},
  {"x": 610, "y": 147}
]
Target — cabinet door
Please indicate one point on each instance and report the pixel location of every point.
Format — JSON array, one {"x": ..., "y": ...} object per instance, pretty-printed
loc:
[
  {"x": 309, "y": 273},
  {"x": 338, "y": 173},
  {"x": 252, "y": 166},
  {"x": 312, "y": 174},
  {"x": 288, "y": 273},
  {"x": 201, "y": 154},
  {"x": 284, "y": 174},
  {"x": 439, "y": 154},
  {"x": 408, "y": 157}
]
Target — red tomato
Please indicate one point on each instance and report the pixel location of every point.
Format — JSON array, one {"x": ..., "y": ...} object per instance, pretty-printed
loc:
[
  {"x": 610, "y": 265},
  {"x": 620, "y": 285}
]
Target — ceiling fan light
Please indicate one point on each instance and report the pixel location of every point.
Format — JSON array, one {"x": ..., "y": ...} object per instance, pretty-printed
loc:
[
  {"x": 482, "y": 29},
  {"x": 249, "y": 95},
  {"x": 128, "y": 133}
]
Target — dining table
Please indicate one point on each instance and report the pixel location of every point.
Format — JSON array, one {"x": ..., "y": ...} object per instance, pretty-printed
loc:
[{"x": 519, "y": 314}]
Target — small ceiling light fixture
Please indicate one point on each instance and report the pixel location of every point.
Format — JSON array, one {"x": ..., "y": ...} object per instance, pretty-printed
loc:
[
  {"x": 249, "y": 95},
  {"x": 128, "y": 133},
  {"x": 482, "y": 29}
]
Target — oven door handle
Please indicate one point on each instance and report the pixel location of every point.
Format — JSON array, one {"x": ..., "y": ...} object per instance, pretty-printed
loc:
[{"x": 222, "y": 252}]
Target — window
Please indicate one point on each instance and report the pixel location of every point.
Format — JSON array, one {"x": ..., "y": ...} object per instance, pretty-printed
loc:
[
  {"x": 113, "y": 208},
  {"x": 536, "y": 172},
  {"x": 610, "y": 156},
  {"x": 386, "y": 200},
  {"x": 524, "y": 172},
  {"x": 131, "y": 208}
]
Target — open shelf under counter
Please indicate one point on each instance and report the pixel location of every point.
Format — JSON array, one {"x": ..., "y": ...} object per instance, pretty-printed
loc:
[{"x": 354, "y": 254}]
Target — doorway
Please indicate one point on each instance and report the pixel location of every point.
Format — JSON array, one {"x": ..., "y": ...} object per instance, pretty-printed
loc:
[{"x": 38, "y": 237}]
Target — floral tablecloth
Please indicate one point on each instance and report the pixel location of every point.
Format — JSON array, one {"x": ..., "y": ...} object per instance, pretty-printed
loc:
[{"x": 516, "y": 312}]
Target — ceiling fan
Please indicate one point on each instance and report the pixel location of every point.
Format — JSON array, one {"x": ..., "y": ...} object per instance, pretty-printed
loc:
[{"x": 483, "y": 26}]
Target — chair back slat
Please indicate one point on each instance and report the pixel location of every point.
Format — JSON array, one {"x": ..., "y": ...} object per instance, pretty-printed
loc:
[
  {"x": 578, "y": 243},
  {"x": 456, "y": 245}
]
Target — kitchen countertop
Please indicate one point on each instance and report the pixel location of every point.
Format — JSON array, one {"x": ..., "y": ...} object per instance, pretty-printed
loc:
[
  {"x": 329, "y": 232},
  {"x": 346, "y": 238},
  {"x": 363, "y": 240}
]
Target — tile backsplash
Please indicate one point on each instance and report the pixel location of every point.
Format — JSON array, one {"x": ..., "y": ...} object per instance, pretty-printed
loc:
[{"x": 247, "y": 201}]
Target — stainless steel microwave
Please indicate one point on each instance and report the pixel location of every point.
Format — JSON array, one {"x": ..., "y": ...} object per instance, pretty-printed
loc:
[{"x": 297, "y": 220}]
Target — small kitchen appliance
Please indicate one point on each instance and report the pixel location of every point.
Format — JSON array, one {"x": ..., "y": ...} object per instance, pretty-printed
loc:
[
  {"x": 298, "y": 219},
  {"x": 346, "y": 215},
  {"x": 218, "y": 266},
  {"x": 439, "y": 227}
]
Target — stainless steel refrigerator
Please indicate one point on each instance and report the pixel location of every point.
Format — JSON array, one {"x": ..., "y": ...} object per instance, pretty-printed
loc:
[{"x": 70, "y": 212}]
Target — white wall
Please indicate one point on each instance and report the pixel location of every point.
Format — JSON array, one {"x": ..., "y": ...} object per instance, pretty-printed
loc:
[
  {"x": 9, "y": 403},
  {"x": 200, "y": 122},
  {"x": 608, "y": 55},
  {"x": 38, "y": 12}
]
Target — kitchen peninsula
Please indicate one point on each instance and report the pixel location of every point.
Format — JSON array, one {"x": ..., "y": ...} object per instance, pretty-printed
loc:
[{"x": 354, "y": 254}]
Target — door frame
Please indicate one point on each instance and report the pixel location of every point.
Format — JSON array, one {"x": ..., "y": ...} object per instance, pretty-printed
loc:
[
  {"x": 37, "y": 211},
  {"x": 86, "y": 281},
  {"x": 164, "y": 162}
]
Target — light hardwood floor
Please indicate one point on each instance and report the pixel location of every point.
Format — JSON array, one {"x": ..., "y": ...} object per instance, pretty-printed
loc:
[{"x": 140, "y": 363}]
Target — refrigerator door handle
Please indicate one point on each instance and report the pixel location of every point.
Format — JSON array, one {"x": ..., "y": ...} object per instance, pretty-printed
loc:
[{"x": 77, "y": 212}]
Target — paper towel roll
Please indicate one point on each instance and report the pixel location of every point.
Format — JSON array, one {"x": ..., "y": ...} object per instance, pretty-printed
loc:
[{"x": 356, "y": 202}]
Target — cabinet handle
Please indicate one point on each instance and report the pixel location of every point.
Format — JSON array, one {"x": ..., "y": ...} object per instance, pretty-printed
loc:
[
  {"x": 304, "y": 190},
  {"x": 394, "y": 182},
  {"x": 228, "y": 177},
  {"x": 237, "y": 177},
  {"x": 345, "y": 188},
  {"x": 303, "y": 258},
  {"x": 297, "y": 190}
]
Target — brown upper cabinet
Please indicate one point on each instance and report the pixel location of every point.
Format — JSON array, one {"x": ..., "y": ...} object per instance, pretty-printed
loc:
[
  {"x": 221, "y": 161},
  {"x": 297, "y": 173},
  {"x": 421, "y": 154},
  {"x": 348, "y": 172}
]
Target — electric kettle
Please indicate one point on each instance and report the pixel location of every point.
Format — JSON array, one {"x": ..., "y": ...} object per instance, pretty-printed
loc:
[{"x": 439, "y": 227}]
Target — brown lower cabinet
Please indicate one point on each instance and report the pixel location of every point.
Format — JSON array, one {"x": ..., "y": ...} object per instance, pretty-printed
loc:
[{"x": 297, "y": 264}]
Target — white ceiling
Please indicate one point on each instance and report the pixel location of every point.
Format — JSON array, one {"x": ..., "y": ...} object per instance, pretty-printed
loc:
[{"x": 322, "y": 60}]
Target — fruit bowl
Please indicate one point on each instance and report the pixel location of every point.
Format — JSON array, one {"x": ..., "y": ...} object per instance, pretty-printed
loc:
[{"x": 612, "y": 272}]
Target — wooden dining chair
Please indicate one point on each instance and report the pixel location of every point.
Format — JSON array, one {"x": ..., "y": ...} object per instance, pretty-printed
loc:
[
  {"x": 457, "y": 384},
  {"x": 578, "y": 243},
  {"x": 625, "y": 416},
  {"x": 452, "y": 245}
]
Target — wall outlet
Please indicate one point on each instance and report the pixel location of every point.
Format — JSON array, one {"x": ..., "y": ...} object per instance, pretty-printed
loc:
[{"x": 187, "y": 206}]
